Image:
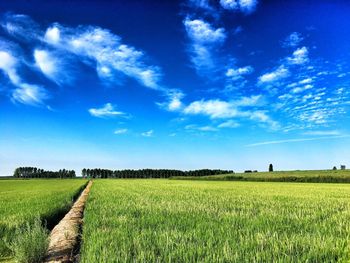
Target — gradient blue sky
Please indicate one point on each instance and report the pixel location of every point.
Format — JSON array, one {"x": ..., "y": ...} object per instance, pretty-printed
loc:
[{"x": 230, "y": 84}]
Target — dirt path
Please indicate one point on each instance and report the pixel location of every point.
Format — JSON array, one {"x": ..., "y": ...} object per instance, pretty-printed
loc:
[{"x": 65, "y": 235}]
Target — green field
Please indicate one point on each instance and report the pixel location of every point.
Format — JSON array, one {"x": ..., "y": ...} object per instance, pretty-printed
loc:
[
  {"x": 313, "y": 176},
  {"x": 208, "y": 221},
  {"x": 22, "y": 201}
]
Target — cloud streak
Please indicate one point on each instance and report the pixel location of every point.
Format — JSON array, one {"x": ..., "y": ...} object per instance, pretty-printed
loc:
[
  {"x": 296, "y": 140},
  {"x": 106, "y": 111}
]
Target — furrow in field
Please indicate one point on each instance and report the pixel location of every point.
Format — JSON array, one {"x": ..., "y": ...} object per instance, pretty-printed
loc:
[{"x": 64, "y": 237}]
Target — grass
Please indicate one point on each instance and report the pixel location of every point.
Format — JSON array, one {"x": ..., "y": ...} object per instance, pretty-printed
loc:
[
  {"x": 316, "y": 176},
  {"x": 22, "y": 201},
  {"x": 30, "y": 243},
  {"x": 206, "y": 221}
]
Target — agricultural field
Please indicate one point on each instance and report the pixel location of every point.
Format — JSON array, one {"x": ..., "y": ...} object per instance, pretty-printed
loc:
[
  {"x": 315, "y": 176},
  {"x": 210, "y": 221},
  {"x": 22, "y": 201}
]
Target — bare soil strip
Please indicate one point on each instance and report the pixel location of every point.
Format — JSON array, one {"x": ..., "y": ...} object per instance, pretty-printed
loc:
[{"x": 65, "y": 235}]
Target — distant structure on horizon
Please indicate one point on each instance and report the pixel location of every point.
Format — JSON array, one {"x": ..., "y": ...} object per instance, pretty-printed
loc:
[
  {"x": 342, "y": 167},
  {"x": 270, "y": 167}
]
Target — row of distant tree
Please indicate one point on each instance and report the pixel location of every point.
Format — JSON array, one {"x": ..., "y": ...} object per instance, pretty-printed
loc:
[
  {"x": 148, "y": 173},
  {"x": 33, "y": 172}
]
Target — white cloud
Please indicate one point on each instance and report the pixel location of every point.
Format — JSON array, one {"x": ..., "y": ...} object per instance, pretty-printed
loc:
[
  {"x": 202, "y": 32},
  {"x": 293, "y": 40},
  {"x": 219, "y": 109},
  {"x": 229, "y": 124},
  {"x": 229, "y": 4},
  {"x": 52, "y": 35},
  {"x": 297, "y": 90},
  {"x": 8, "y": 64},
  {"x": 120, "y": 131},
  {"x": 108, "y": 110},
  {"x": 300, "y": 56},
  {"x": 201, "y": 128},
  {"x": 216, "y": 108},
  {"x": 306, "y": 81},
  {"x": 204, "y": 38},
  {"x": 55, "y": 67},
  {"x": 45, "y": 62},
  {"x": 174, "y": 102},
  {"x": 21, "y": 26},
  {"x": 236, "y": 74},
  {"x": 105, "y": 49},
  {"x": 147, "y": 133},
  {"x": 29, "y": 94},
  {"x": 23, "y": 93},
  {"x": 271, "y": 77},
  {"x": 248, "y": 6},
  {"x": 212, "y": 108},
  {"x": 262, "y": 117},
  {"x": 245, "y": 6}
]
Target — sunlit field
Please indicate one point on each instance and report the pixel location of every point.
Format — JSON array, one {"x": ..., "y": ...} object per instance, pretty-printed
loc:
[
  {"x": 22, "y": 201},
  {"x": 315, "y": 176},
  {"x": 187, "y": 221}
]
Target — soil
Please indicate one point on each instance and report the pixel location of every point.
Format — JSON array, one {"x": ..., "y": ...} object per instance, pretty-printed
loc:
[{"x": 65, "y": 236}]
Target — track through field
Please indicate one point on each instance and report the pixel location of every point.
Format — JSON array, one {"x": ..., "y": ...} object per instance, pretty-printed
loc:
[{"x": 64, "y": 238}]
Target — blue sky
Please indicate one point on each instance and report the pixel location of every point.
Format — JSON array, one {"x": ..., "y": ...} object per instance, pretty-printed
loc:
[{"x": 230, "y": 84}]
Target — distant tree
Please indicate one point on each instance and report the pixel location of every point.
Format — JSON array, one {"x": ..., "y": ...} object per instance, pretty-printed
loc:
[
  {"x": 17, "y": 173},
  {"x": 270, "y": 167},
  {"x": 334, "y": 168}
]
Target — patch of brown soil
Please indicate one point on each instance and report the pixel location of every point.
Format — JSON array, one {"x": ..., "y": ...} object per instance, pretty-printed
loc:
[{"x": 65, "y": 235}]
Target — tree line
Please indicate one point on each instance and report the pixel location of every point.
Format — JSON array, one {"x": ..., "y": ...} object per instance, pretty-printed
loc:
[
  {"x": 148, "y": 173},
  {"x": 34, "y": 172}
]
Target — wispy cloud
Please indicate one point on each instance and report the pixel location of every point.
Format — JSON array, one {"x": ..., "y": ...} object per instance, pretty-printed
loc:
[
  {"x": 147, "y": 133},
  {"x": 229, "y": 124},
  {"x": 21, "y": 27},
  {"x": 24, "y": 93},
  {"x": 238, "y": 73},
  {"x": 323, "y": 133},
  {"x": 120, "y": 131},
  {"x": 194, "y": 127},
  {"x": 244, "y": 108},
  {"x": 293, "y": 40},
  {"x": 204, "y": 39},
  {"x": 216, "y": 108},
  {"x": 274, "y": 76},
  {"x": 92, "y": 45},
  {"x": 8, "y": 64},
  {"x": 107, "y": 110},
  {"x": 300, "y": 56},
  {"x": 59, "y": 47},
  {"x": 296, "y": 140},
  {"x": 29, "y": 94},
  {"x": 245, "y": 6},
  {"x": 106, "y": 49},
  {"x": 212, "y": 108},
  {"x": 174, "y": 102},
  {"x": 53, "y": 66}
]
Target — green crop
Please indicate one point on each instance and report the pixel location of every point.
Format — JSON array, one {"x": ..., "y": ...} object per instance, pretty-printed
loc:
[
  {"x": 202, "y": 221},
  {"x": 22, "y": 202}
]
